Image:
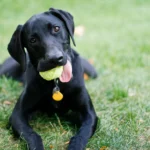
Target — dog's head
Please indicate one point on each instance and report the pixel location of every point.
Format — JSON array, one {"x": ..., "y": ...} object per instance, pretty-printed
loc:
[{"x": 46, "y": 37}]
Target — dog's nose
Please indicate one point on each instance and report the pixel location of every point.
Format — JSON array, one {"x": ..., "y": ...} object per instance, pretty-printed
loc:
[
  {"x": 56, "y": 58},
  {"x": 60, "y": 59}
]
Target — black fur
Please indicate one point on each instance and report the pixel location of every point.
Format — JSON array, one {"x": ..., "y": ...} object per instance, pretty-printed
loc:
[{"x": 47, "y": 49}]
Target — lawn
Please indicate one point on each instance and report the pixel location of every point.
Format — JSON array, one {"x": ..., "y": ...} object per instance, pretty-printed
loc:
[{"x": 117, "y": 40}]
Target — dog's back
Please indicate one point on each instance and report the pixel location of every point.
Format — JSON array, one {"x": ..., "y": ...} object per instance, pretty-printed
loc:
[{"x": 10, "y": 68}]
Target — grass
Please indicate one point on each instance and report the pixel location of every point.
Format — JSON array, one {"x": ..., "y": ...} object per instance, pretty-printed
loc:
[{"x": 117, "y": 39}]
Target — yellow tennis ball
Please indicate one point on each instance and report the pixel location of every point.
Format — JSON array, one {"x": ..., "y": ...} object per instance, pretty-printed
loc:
[{"x": 52, "y": 74}]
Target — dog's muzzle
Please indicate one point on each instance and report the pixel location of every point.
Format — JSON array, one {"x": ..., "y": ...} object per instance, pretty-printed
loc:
[{"x": 51, "y": 61}]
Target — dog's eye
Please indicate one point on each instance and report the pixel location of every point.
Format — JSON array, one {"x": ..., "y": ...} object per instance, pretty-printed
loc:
[
  {"x": 56, "y": 28},
  {"x": 32, "y": 40}
]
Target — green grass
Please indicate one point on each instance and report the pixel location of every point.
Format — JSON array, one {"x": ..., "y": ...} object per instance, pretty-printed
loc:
[{"x": 117, "y": 38}]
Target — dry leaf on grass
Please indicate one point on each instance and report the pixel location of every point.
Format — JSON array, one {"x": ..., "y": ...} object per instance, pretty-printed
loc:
[
  {"x": 103, "y": 148},
  {"x": 79, "y": 30},
  {"x": 91, "y": 61},
  {"x": 67, "y": 142},
  {"x": 7, "y": 103},
  {"x": 86, "y": 77},
  {"x": 51, "y": 146}
]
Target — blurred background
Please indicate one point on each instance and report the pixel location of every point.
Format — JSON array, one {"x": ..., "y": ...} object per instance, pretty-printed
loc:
[{"x": 114, "y": 35}]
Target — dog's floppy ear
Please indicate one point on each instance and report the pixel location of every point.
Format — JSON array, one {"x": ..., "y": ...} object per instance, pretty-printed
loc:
[
  {"x": 16, "y": 49},
  {"x": 68, "y": 20}
]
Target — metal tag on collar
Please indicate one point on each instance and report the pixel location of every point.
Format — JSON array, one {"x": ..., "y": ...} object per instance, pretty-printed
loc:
[{"x": 57, "y": 95}]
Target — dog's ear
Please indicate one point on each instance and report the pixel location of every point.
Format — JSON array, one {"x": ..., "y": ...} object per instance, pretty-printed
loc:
[
  {"x": 68, "y": 20},
  {"x": 16, "y": 49}
]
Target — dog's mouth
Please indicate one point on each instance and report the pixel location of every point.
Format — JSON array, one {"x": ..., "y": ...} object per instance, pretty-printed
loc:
[
  {"x": 65, "y": 75},
  {"x": 45, "y": 65}
]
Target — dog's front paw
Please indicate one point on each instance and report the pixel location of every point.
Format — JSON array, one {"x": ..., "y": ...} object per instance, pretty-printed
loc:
[
  {"x": 77, "y": 143},
  {"x": 35, "y": 142}
]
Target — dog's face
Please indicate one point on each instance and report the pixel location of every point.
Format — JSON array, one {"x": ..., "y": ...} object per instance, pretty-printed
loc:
[
  {"x": 47, "y": 40},
  {"x": 46, "y": 37}
]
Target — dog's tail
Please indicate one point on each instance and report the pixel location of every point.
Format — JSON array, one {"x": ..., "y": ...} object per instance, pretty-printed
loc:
[{"x": 88, "y": 68}]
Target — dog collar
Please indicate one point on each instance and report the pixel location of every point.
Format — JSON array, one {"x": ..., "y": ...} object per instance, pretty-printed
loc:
[{"x": 56, "y": 94}]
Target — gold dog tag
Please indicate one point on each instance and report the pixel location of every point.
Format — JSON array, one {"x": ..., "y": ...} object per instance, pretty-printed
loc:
[{"x": 57, "y": 95}]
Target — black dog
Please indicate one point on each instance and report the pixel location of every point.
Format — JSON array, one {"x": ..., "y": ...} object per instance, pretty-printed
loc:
[{"x": 46, "y": 37}]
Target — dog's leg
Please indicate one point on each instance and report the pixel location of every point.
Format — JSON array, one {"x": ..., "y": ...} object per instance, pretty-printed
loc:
[
  {"x": 20, "y": 115},
  {"x": 88, "y": 68},
  {"x": 88, "y": 121},
  {"x": 11, "y": 68}
]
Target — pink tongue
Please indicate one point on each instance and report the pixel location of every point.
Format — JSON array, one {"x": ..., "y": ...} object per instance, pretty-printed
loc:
[{"x": 67, "y": 73}]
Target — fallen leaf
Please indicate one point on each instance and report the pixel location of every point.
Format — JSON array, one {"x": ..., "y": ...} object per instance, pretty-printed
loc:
[
  {"x": 67, "y": 142},
  {"x": 86, "y": 77},
  {"x": 116, "y": 129},
  {"x": 103, "y": 148},
  {"x": 79, "y": 30},
  {"x": 91, "y": 61},
  {"x": 7, "y": 103},
  {"x": 51, "y": 146}
]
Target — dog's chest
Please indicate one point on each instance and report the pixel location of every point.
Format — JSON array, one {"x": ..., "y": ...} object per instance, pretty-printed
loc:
[
  {"x": 56, "y": 106},
  {"x": 62, "y": 105}
]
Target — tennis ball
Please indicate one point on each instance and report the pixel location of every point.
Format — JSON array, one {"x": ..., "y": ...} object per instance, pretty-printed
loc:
[{"x": 52, "y": 74}]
